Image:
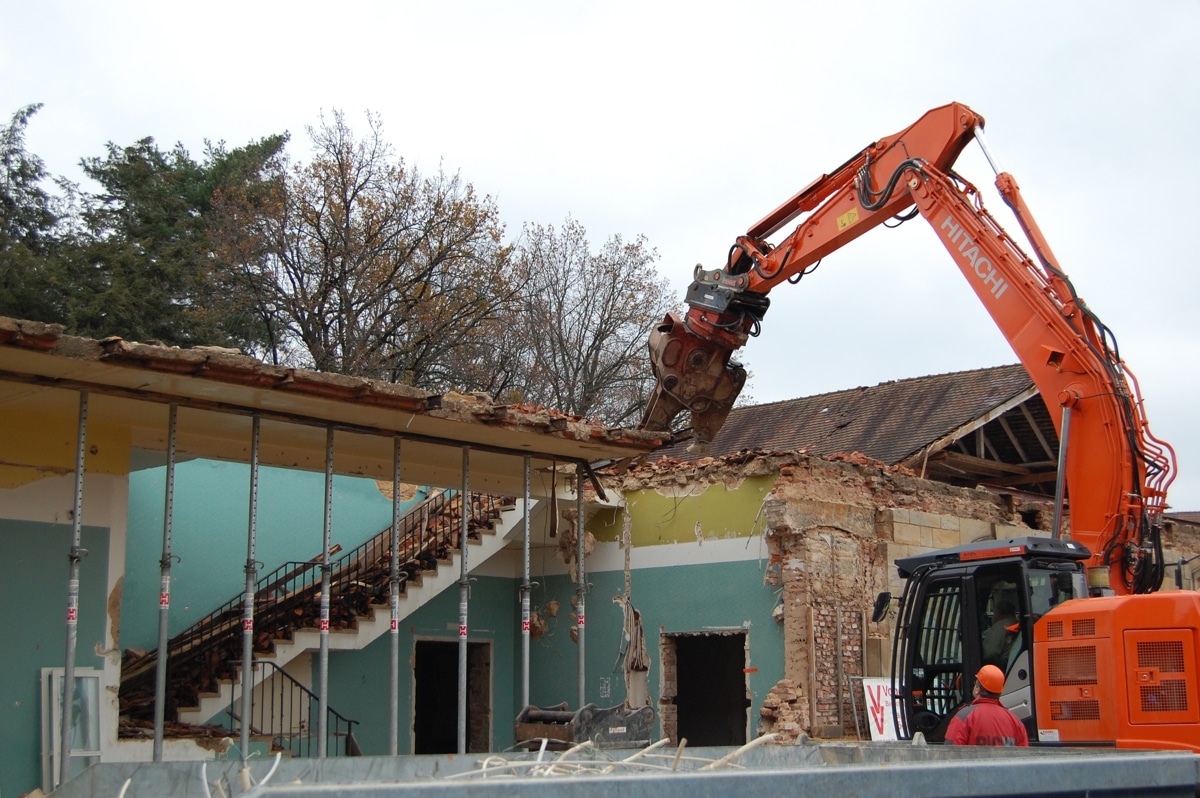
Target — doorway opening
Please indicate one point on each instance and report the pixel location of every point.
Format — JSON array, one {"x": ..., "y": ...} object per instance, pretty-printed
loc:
[
  {"x": 705, "y": 696},
  {"x": 435, "y": 697}
]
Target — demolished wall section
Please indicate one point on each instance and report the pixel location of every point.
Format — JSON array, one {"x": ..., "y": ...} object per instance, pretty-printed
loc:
[
  {"x": 832, "y": 531},
  {"x": 836, "y": 528}
]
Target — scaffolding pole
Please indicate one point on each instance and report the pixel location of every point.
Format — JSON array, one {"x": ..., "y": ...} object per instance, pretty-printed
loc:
[
  {"x": 526, "y": 587},
  {"x": 327, "y": 534},
  {"x": 73, "y": 557},
  {"x": 251, "y": 569},
  {"x": 464, "y": 587},
  {"x": 164, "y": 590},
  {"x": 394, "y": 600},
  {"x": 581, "y": 586}
]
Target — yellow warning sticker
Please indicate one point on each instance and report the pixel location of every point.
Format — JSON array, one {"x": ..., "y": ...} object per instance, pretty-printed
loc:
[{"x": 848, "y": 218}]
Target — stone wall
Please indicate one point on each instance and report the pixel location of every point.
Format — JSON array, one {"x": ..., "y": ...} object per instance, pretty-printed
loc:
[{"x": 835, "y": 529}]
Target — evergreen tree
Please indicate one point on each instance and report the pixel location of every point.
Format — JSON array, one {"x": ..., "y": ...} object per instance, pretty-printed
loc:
[{"x": 31, "y": 284}]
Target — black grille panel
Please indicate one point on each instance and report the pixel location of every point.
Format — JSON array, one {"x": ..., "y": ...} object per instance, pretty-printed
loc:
[{"x": 1073, "y": 665}]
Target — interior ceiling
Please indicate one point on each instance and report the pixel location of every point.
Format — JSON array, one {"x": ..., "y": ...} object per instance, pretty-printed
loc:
[{"x": 215, "y": 421}]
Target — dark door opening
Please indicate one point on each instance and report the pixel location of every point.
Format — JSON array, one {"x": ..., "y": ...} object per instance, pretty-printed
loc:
[
  {"x": 435, "y": 691},
  {"x": 710, "y": 683}
]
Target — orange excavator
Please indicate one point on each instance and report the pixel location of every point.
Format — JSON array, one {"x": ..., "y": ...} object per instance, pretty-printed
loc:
[{"x": 1095, "y": 656}]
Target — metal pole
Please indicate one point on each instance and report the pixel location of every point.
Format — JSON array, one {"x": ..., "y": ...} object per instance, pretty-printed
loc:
[
  {"x": 463, "y": 595},
  {"x": 394, "y": 599},
  {"x": 73, "y": 557},
  {"x": 526, "y": 587},
  {"x": 987, "y": 151},
  {"x": 323, "y": 695},
  {"x": 251, "y": 569},
  {"x": 1060, "y": 480},
  {"x": 840, "y": 669},
  {"x": 164, "y": 591},
  {"x": 581, "y": 586},
  {"x": 812, "y": 670}
]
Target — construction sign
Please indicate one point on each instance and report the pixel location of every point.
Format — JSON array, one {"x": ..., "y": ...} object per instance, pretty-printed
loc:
[{"x": 878, "y": 692}]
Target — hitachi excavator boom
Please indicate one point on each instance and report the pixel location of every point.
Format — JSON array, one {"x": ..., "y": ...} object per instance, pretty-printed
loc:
[{"x": 1117, "y": 473}]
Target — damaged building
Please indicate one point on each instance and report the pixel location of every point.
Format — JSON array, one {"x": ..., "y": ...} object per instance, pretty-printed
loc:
[{"x": 731, "y": 594}]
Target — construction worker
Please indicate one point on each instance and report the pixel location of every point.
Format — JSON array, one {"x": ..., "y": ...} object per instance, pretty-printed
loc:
[
  {"x": 985, "y": 721},
  {"x": 998, "y": 639}
]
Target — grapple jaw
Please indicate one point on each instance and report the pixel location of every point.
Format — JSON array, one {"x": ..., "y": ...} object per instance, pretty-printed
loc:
[{"x": 693, "y": 374}]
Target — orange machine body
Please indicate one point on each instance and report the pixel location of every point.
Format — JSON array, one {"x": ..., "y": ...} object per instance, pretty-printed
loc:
[{"x": 1120, "y": 671}]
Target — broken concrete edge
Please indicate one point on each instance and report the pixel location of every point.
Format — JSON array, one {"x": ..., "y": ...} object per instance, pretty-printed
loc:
[
  {"x": 229, "y": 366},
  {"x": 881, "y": 485}
]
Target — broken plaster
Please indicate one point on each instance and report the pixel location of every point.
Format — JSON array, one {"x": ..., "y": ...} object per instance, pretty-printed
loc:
[{"x": 114, "y": 622}]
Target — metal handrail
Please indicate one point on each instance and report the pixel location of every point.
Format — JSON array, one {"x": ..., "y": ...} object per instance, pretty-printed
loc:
[
  {"x": 284, "y": 598},
  {"x": 284, "y": 715}
]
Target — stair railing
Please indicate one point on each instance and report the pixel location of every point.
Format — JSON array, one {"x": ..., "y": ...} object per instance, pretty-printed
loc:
[
  {"x": 284, "y": 712},
  {"x": 284, "y": 598}
]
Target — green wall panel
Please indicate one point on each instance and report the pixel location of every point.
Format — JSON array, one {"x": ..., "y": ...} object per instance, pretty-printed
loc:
[
  {"x": 681, "y": 599},
  {"x": 33, "y": 595},
  {"x": 360, "y": 681}
]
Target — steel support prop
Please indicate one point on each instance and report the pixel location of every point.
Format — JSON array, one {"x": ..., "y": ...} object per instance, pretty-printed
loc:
[
  {"x": 581, "y": 585},
  {"x": 73, "y": 557},
  {"x": 394, "y": 600},
  {"x": 326, "y": 535},
  {"x": 164, "y": 590},
  {"x": 526, "y": 588},
  {"x": 251, "y": 569},
  {"x": 464, "y": 587}
]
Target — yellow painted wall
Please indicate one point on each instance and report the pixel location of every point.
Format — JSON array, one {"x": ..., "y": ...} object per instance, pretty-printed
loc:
[
  {"x": 34, "y": 446},
  {"x": 712, "y": 512}
]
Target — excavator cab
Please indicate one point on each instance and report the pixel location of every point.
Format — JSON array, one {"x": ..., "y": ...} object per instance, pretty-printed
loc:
[{"x": 971, "y": 606}]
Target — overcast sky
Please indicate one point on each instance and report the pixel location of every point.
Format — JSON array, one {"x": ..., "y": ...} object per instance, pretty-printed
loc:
[{"x": 688, "y": 122}]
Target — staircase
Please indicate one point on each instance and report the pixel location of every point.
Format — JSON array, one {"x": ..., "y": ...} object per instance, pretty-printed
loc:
[{"x": 204, "y": 674}]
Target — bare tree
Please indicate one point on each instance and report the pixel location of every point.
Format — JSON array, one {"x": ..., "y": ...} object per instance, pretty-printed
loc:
[
  {"x": 586, "y": 320},
  {"x": 358, "y": 264}
]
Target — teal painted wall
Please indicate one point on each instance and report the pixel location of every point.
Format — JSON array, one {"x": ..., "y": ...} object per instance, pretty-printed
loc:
[
  {"x": 360, "y": 681},
  {"x": 210, "y": 523},
  {"x": 681, "y": 599},
  {"x": 33, "y": 598},
  {"x": 677, "y": 599},
  {"x": 211, "y": 515}
]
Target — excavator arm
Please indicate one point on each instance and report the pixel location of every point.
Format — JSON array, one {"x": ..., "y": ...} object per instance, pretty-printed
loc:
[
  {"x": 1116, "y": 472},
  {"x": 691, "y": 357}
]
